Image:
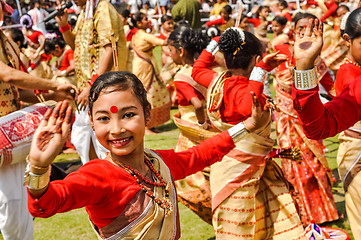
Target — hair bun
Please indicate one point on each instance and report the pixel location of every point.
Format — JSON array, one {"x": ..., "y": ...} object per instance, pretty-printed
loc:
[{"x": 230, "y": 41}]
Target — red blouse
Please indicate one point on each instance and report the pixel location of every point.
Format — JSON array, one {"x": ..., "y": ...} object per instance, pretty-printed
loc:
[
  {"x": 105, "y": 189},
  {"x": 237, "y": 102},
  {"x": 322, "y": 121},
  {"x": 219, "y": 21},
  {"x": 68, "y": 57},
  {"x": 255, "y": 21},
  {"x": 162, "y": 36},
  {"x": 34, "y": 37},
  {"x": 185, "y": 92},
  {"x": 345, "y": 75}
]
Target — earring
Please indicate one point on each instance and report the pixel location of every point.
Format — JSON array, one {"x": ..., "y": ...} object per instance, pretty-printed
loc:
[{"x": 92, "y": 127}]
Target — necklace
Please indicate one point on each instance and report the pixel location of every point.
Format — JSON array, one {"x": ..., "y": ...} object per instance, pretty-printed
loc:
[
  {"x": 163, "y": 202},
  {"x": 352, "y": 62}
]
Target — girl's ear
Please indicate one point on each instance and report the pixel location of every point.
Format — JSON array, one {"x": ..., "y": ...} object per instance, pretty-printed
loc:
[
  {"x": 258, "y": 59},
  {"x": 91, "y": 120},
  {"x": 181, "y": 51},
  {"x": 347, "y": 38}
]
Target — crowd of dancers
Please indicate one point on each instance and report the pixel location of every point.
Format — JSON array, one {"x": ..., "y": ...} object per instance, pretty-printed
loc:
[{"x": 121, "y": 66}]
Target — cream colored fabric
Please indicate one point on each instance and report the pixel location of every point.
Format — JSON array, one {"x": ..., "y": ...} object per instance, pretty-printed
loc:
[{"x": 153, "y": 223}]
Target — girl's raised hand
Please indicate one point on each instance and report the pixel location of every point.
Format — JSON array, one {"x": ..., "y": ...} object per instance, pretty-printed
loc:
[
  {"x": 308, "y": 47},
  {"x": 51, "y": 135},
  {"x": 274, "y": 59},
  {"x": 259, "y": 116}
]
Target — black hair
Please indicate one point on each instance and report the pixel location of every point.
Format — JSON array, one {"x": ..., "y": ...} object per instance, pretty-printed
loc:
[
  {"x": 238, "y": 54},
  {"x": 49, "y": 44},
  {"x": 302, "y": 15},
  {"x": 120, "y": 81},
  {"x": 165, "y": 18},
  {"x": 181, "y": 23},
  {"x": 342, "y": 6},
  {"x": 228, "y": 9},
  {"x": 190, "y": 40},
  {"x": 353, "y": 24},
  {"x": 284, "y": 4},
  {"x": 125, "y": 13},
  {"x": 280, "y": 20},
  {"x": 17, "y": 36},
  {"x": 137, "y": 18}
]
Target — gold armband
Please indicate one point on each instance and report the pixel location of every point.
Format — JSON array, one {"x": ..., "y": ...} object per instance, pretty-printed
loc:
[
  {"x": 34, "y": 181},
  {"x": 305, "y": 80}
]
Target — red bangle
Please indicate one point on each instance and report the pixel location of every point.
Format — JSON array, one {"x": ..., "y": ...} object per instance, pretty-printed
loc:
[
  {"x": 65, "y": 28},
  {"x": 95, "y": 76}
]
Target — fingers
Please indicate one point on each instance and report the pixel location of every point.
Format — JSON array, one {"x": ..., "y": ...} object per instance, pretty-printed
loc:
[
  {"x": 46, "y": 117},
  {"x": 67, "y": 122},
  {"x": 55, "y": 114},
  {"x": 318, "y": 29},
  {"x": 309, "y": 28},
  {"x": 255, "y": 100}
]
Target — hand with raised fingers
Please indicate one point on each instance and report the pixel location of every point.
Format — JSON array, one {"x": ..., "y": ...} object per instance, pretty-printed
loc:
[
  {"x": 308, "y": 47},
  {"x": 274, "y": 59},
  {"x": 62, "y": 19},
  {"x": 51, "y": 135},
  {"x": 259, "y": 117}
]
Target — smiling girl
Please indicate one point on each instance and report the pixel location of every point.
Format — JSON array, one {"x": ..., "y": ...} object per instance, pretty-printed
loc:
[{"x": 129, "y": 194}]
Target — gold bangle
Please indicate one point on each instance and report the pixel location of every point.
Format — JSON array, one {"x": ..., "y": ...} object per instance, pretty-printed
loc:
[
  {"x": 33, "y": 166},
  {"x": 305, "y": 80},
  {"x": 34, "y": 181}
]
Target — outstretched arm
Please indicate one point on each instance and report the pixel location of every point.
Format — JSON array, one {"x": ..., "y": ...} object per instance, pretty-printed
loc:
[
  {"x": 320, "y": 121},
  {"x": 24, "y": 80}
]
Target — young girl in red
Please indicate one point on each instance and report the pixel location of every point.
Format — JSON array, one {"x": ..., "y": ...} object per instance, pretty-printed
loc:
[
  {"x": 185, "y": 45},
  {"x": 225, "y": 21},
  {"x": 246, "y": 203},
  {"x": 63, "y": 65},
  {"x": 129, "y": 194},
  {"x": 311, "y": 177}
]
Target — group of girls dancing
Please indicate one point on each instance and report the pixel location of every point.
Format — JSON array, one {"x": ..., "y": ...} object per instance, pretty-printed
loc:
[{"x": 222, "y": 167}]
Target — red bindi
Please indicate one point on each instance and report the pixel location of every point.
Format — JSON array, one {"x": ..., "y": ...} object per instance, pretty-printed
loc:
[{"x": 113, "y": 109}]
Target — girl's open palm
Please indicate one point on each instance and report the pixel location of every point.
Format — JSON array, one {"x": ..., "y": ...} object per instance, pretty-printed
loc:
[
  {"x": 308, "y": 47},
  {"x": 51, "y": 135}
]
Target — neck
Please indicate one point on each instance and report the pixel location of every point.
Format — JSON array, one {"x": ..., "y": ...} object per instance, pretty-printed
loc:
[
  {"x": 134, "y": 160},
  {"x": 166, "y": 33},
  {"x": 189, "y": 61},
  {"x": 240, "y": 72}
]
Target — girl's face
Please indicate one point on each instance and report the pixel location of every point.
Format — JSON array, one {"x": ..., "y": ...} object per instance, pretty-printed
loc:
[
  {"x": 175, "y": 54},
  {"x": 277, "y": 28},
  {"x": 143, "y": 24},
  {"x": 341, "y": 12},
  {"x": 264, "y": 12},
  {"x": 224, "y": 14},
  {"x": 168, "y": 26},
  {"x": 57, "y": 51},
  {"x": 355, "y": 50},
  {"x": 119, "y": 122}
]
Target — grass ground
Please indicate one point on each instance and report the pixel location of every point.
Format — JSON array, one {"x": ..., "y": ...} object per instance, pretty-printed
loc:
[{"x": 75, "y": 224}]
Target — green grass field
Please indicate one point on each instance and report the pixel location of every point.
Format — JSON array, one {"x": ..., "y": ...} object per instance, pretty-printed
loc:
[{"x": 75, "y": 224}]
